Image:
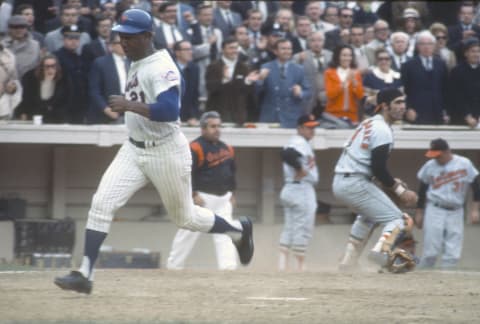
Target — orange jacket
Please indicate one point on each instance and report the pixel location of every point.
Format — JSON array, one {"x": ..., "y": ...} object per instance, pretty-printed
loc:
[{"x": 335, "y": 95}]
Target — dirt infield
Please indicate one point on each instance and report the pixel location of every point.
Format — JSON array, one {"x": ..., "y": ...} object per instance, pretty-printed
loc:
[{"x": 160, "y": 296}]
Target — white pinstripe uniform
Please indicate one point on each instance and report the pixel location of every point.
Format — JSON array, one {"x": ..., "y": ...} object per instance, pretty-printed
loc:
[
  {"x": 444, "y": 213},
  {"x": 166, "y": 160}
]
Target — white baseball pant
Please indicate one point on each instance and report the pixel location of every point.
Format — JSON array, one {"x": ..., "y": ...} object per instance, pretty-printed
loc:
[
  {"x": 443, "y": 232},
  {"x": 168, "y": 167},
  {"x": 184, "y": 240}
]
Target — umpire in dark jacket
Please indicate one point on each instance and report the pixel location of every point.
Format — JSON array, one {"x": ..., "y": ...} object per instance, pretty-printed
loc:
[{"x": 425, "y": 82}]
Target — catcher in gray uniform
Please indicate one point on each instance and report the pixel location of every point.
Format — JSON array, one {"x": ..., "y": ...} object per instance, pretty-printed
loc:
[{"x": 365, "y": 156}]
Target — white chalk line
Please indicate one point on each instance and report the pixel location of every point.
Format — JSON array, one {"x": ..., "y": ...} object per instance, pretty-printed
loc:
[{"x": 279, "y": 298}]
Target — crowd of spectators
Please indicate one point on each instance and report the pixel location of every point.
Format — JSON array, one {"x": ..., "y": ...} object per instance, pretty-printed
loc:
[{"x": 253, "y": 61}]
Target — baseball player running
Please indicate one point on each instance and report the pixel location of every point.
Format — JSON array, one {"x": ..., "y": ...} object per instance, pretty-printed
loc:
[
  {"x": 156, "y": 151},
  {"x": 298, "y": 194},
  {"x": 443, "y": 188},
  {"x": 213, "y": 181},
  {"x": 365, "y": 156}
]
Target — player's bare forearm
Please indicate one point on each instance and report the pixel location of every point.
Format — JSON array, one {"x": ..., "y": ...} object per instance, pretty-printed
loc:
[
  {"x": 474, "y": 212},
  {"x": 120, "y": 104}
]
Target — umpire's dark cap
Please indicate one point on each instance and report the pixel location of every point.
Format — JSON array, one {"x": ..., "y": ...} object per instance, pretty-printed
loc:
[
  {"x": 308, "y": 121},
  {"x": 273, "y": 30},
  {"x": 437, "y": 146},
  {"x": 71, "y": 31},
  {"x": 134, "y": 21}
]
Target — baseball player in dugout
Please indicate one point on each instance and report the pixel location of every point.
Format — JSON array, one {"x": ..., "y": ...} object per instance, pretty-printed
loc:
[
  {"x": 213, "y": 182},
  {"x": 156, "y": 151},
  {"x": 444, "y": 182},
  {"x": 298, "y": 194},
  {"x": 365, "y": 157}
]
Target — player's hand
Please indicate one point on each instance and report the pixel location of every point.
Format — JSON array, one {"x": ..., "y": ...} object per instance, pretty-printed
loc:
[
  {"x": 188, "y": 16},
  {"x": 419, "y": 218},
  {"x": 111, "y": 114},
  {"x": 471, "y": 121},
  {"x": 118, "y": 103},
  {"x": 233, "y": 200},
  {"x": 253, "y": 76},
  {"x": 411, "y": 115},
  {"x": 264, "y": 74},
  {"x": 197, "y": 200},
  {"x": 409, "y": 198},
  {"x": 11, "y": 87},
  {"x": 474, "y": 216},
  {"x": 299, "y": 174},
  {"x": 212, "y": 39},
  {"x": 193, "y": 122},
  {"x": 468, "y": 33},
  {"x": 297, "y": 90}
]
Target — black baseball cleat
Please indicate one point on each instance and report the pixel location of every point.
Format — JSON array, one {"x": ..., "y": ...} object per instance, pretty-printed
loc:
[
  {"x": 245, "y": 244},
  {"x": 74, "y": 281}
]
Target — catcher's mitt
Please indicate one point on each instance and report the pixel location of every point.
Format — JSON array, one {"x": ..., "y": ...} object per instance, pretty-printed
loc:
[
  {"x": 400, "y": 261},
  {"x": 390, "y": 192}
]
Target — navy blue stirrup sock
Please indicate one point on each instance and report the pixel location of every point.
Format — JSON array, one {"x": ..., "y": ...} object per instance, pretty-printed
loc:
[
  {"x": 93, "y": 241},
  {"x": 222, "y": 226}
]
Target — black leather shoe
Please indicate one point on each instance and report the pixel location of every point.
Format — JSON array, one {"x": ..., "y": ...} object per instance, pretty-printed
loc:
[
  {"x": 245, "y": 244},
  {"x": 74, "y": 281}
]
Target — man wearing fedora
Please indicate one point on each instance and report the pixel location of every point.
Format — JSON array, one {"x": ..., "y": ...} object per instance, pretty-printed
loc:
[{"x": 444, "y": 181}]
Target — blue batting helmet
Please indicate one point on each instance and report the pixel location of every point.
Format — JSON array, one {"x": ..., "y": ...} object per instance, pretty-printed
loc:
[{"x": 134, "y": 21}]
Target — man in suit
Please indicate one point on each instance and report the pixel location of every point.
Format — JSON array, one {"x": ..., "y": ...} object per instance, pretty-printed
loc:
[
  {"x": 357, "y": 40},
  {"x": 99, "y": 46},
  {"x": 167, "y": 33},
  {"x": 381, "y": 30},
  {"x": 107, "y": 77},
  {"x": 314, "y": 11},
  {"x": 341, "y": 34},
  {"x": 225, "y": 19},
  {"x": 315, "y": 61},
  {"x": 266, "y": 8},
  {"x": 191, "y": 75},
  {"x": 304, "y": 29},
  {"x": 230, "y": 84},
  {"x": 463, "y": 30},
  {"x": 398, "y": 48},
  {"x": 206, "y": 41},
  {"x": 282, "y": 87},
  {"x": 425, "y": 82}
]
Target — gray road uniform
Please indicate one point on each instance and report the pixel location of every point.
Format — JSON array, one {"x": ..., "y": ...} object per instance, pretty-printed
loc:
[
  {"x": 352, "y": 181},
  {"x": 298, "y": 197},
  {"x": 444, "y": 213}
]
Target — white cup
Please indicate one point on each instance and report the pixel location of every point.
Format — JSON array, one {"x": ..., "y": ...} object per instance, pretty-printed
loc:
[{"x": 37, "y": 119}]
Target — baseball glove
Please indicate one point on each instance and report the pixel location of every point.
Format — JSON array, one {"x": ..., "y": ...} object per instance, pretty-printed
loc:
[
  {"x": 390, "y": 192},
  {"x": 400, "y": 261}
]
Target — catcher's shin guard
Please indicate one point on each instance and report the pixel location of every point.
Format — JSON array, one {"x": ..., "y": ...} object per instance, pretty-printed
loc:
[{"x": 351, "y": 255}]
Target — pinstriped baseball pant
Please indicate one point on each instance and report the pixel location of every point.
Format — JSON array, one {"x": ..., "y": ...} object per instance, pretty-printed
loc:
[{"x": 168, "y": 167}]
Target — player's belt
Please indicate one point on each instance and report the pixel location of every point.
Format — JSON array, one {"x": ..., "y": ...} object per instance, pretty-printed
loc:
[
  {"x": 436, "y": 204},
  {"x": 142, "y": 145}
]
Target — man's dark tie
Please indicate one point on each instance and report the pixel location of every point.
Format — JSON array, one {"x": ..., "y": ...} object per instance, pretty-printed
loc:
[
  {"x": 282, "y": 71},
  {"x": 173, "y": 34},
  {"x": 319, "y": 64},
  {"x": 213, "y": 47}
]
